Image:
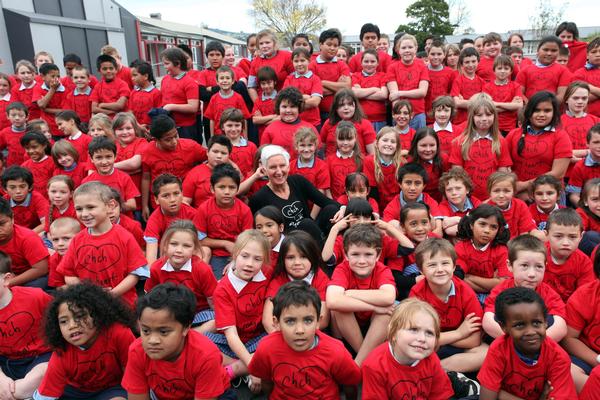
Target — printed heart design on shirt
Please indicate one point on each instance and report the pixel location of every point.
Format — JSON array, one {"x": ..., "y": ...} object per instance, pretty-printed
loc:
[
  {"x": 450, "y": 318},
  {"x": 525, "y": 386},
  {"x": 98, "y": 258},
  {"x": 291, "y": 210},
  {"x": 224, "y": 223},
  {"x": 535, "y": 149},
  {"x": 14, "y": 328},
  {"x": 175, "y": 166},
  {"x": 162, "y": 387},
  {"x": 406, "y": 389},
  {"x": 90, "y": 370},
  {"x": 297, "y": 382}
]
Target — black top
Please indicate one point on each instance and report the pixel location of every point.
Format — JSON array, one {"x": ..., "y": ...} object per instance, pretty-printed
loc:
[{"x": 295, "y": 208}]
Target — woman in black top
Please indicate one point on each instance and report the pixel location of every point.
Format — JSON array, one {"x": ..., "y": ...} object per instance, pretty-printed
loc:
[{"x": 291, "y": 195}]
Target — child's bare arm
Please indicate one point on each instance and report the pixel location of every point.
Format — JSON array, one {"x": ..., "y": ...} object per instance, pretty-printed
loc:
[
  {"x": 487, "y": 284},
  {"x": 36, "y": 271},
  {"x": 394, "y": 232},
  {"x": 236, "y": 345},
  {"x": 504, "y": 395},
  {"x": 437, "y": 227},
  {"x": 267, "y": 317},
  {"x": 217, "y": 244},
  {"x": 260, "y": 119},
  {"x": 246, "y": 185},
  {"x": 461, "y": 102},
  {"x": 382, "y": 297},
  {"x": 253, "y": 94},
  {"x": 363, "y": 93},
  {"x": 144, "y": 396},
  {"x": 338, "y": 301},
  {"x": 212, "y": 127},
  {"x": 490, "y": 326},
  {"x": 558, "y": 330},
  {"x": 40, "y": 228},
  {"x": 132, "y": 164},
  {"x": 311, "y": 101},
  {"x": 334, "y": 86},
  {"x": 191, "y": 107},
  {"x": 380, "y": 94},
  {"x": 125, "y": 285},
  {"x": 116, "y": 106},
  {"x": 151, "y": 252},
  {"x": 72, "y": 280},
  {"x": 129, "y": 205},
  {"x": 466, "y": 336},
  {"x": 145, "y": 195},
  {"x": 487, "y": 394},
  {"x": 96, "y": 109},
  {"x": 576, "y": 347}
]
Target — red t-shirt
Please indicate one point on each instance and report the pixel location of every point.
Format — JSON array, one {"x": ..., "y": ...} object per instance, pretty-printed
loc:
[
  {"x": 30, "y": 215},
  {"x": 465, "y": 87},
  {"x": 196, "y": 374},
  {"x": 55, "y": 279},
  {"x": 126, "y": 152},
  {"x": 345, "y": 278},
  {"x": 385, "y": 61},
  {"x": 243, "y": 157},
  {"x": 81, "y": 144},
  {"x": 319, "y": 281},
  {"x": 57, "y": 101},
  {"x": 4, "y": 102},
  {"x": 178, "y": 162},
  {"x": 577, "y": 129},
  {"x": 110, "y": 92},
  {"x": 225, "y": 224},
  {"x": 518, "y": 218},
  {"x": 592, "y": 386},
  {"x": 104, "y": 259},
  {"x": 25, "y": 249},
  {"x": 589, "y": 223},
  {"x": 265, "y": 107},
  {"x": 311, "y": 374},
  {"x": 583, "y": 314},
  {"x": 318, "y": 174},
  {"x": 385, "y": 378},
  {"x": 141, "y": 101},
  {"x": 432, "y": 187},
  {"x": 534, "y": 79},
  {"x": 482, "y": 162},
  {"x": 485, "y": 69},
  {"x": 507, "y": 120},
  {"x": 343, "y": 200},
  {"x": 553, "y": 302},
  {"x": 308, "y": 85},
  {"x": 373, "y": 109},
  {"x": 239, "y": 303},
  {"x": 42, "y": 172},
  {"x": 486, "y": 263},
  {"x": 67, "y": 82},
  {"x": 281, "y": 62},
  {"x": 76, "y": 174},
  {"x": 330, "y": 71},
  {"x": 134, "y": 227},
  {"x": 454, "y": 311},
  {"x": 22, "y": 319},
  {"x": 567, "y": 277},
  {"x": 364, "y": 133},
  {"x": 25, "y": 95},
  {"x": 440, "y": 84},
  {"x": 388, "y": 186},
  {"x": 502, "y": 369},
  {"x": 218, "y": 104},
  {"x": 388, "y": 256},
  {"x": 96, "y": 368},
  {"x": 180, "y": 91},
  {"x": 196, "y": 184},
  {"x": 581, "y": 173},
  {"x": 339, "y": 168},
  {"x": 408, "y": 77},
  {"x": 117, "y": 180},
  {"x": 11, "y": 140},
  {"x": 577, "y": 54},
  {"x": 392, "y": 211},
  {"x": 54, "y": 214},
  {"x": 282, "y": 134},
  {"x": 199, "y": 280},
  {"x": 159, "y": 222},
  {"x": 81, "y": 103},
  {"x": 447, "y": 211},
  {"x": 591, "y": 76},
  {"x": 540, "y": 217},
  {"x": 406, "y": 139},
  {"x": 124, "y": 73}
]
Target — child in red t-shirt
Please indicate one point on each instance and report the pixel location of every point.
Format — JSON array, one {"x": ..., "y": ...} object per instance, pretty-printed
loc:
[
  {"x": 402, "y": 114},
  {"x": 5, "y": 99},
  {"x": 589, "y": 211},
  {"x": 309, "y": 85},
  {"x": 426, "y": 151},
  {"x": 524, "y": 362},
  {"x": 180, "y": 265},
  {"x": 224, "y": 99},
  {"x": 370, "y": 87},
  {"x": 23, "y": 92},
  {"x": 78, "y": 97},
  {"x": 103, "y": 253},
  {"x": 346, "y": 159},
  {"x": 546, "y": 193},
  {"x": 482, "y": 250},
  {"x": 492, "y": 44},
  {"x": 263, "y": 112},
  {"x": 70, "y": 125},
  {"x": 66, "y": 162},
  {"x": 456, "y": 187},
  {"x": 443, "y": 110},
  {"x": 101, "y": 125},
  {"x": 122, "y": 71},
  {"x": 111, "y": 93},
  {"x": 60, "y": 233},
  {"x": 361, "y": 292},
  {"x": 221, "y": 218},
  {"x": 466, "y": 84},
  {"x": 406, "y": 363},
  {"x": 144, "y": 95},
  {"x": 590, "y": 73},
  {"x": 356, "y": 186},
  {"x": 50, "y": 95},
  {"x": 507, "y": 94},
  {"x": 184, "y": 365},
  {"x": 527, "y": 263},
  {"x": 30, "y": 207},
  {"x": 307, "y": 164},
  {"x": 60, "y": 194},
  {"x": 441, "y": 77},
  {"x": 40, "y": 164},
  {"x": 270, "y": 222},
  {"x": 24, "y": 354},
  {"x": 243, "y": 150},
  {"x": 117, "y": 218},
  {"x": 90, "y": 333},
  {"x": 587, "y": 168},
  {"x": 10, "y": 137},
  {"x": 324, "y": 361}
]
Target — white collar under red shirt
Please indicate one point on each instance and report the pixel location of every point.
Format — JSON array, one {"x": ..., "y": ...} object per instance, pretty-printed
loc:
[
  {"x": 320, "y": 60},
  {"x": 278, "y": 245},
  {"x": 479, "y": 137},
  {"x": 556, "y": 207},
  {"x": 23, "y": 87},
  {"x": 6, "y": 97},
  {"x": 239, "y": 284},
  {"x": 168, "y": 267},
  {"x": 76, "y": 135},
  {"x": 484, "y": 248},
  {"x": 438, "y": 128},
  {"x": 340, "y": 155},
  {"x": 308, "y": 278}
]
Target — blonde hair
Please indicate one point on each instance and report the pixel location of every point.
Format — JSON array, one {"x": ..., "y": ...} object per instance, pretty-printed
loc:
[
  {"x": 179, "y": 225},
  {"x": 408, "y": 37},
  {"x": 266, "y": 32},
  {"x": 252, "y": 235},
  {"x": 398, "y": 160},
  {"x": 95, "y": 188},
  {"x": 305, "y": 133},
  {"x": 468, "y": 135},
  {"x": 500, "y": 176},
  {"x": 346, "y": 130},
  {"x": 25, "y": 63},
  {"x": 58, "y": 178},
  {"x": 105, "y": 123},
  {"x": 404, "y": 315},
  {"x": 110, "y": 51},
  {"x": 61, "y": 148},
  {"x": 122, "y": 118},
  {"x": 65, "y": 222},
  {"x": 43, "y": 53}
]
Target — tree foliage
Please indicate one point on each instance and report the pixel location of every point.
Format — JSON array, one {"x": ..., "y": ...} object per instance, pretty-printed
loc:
[
  {"x": 289, "y": 17},
  {"x": 460, "y": 16},
  {"x": 427, "y": 17},
  {"x": 546, "y": 18}
]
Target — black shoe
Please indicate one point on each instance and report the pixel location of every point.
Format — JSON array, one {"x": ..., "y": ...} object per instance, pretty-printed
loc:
[{"x": 463, "y": 386}]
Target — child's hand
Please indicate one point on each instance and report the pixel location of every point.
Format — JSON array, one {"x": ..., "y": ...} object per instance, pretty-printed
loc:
[
  {"x": 7, "y": 388},
  {"x": 255, "y": 384},
  {"x": 55, "y": 83},
  {"x": 145, "y": 212},
  {"x": 472, "y": 323},
  {"x": 343, "y": 223},
  {"x": 380, "y": 224},
  {"x": 384, "y": 310},
  {"x": 546, "y": 392}
]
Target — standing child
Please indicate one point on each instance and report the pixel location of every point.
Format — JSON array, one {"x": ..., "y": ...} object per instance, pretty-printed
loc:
[
  {"x": 169, "y": 352},
  {"x": 5, "y": 99},
  {"x": 69, "y": 124},
  {"x": 242, "y": 150},
  {"x": 441, "y": 77},
  {"x": 297, "y": 315},
  {"x": 482, "y": 252},
  {"x": 180, "y": 265},
  {"x": 144, "y": 96},
  {"x": 406, "y": 363},
  {"x": 86, "y": 326},
  {"x": 588, "y": 209},
  {"x": 587, "y": 168},
  {"x": 540, "y": 146},
  {"x": 456, "y": 187},
  {"x": 347, "y": 158},
  {"x": 401, "y": 115},
  {"x": 221, "y": 218},
  {"x": 30, "y": 207},
  {"x": 590, "y": 74},
  {"x": 481, "y": 150},
  {"x": 50, "y": 95},
  {"x": 103, "y": 253},
  {"x": 467, "y": 83},
  {"x": 524, "y": 363},
  {"x": 122, "y": 72},
  {"x": 10, "y": 138},
  {"x": 307, "y": 163},
  {"x": 37, "y": 147},
  {"x": 264, "y": 112},
  {"x": 492, "y": 44},
  {"x": 23, "y": 93},
  {"x": 443, "y": 110},
  {"x": 370, "y": 88},
  {"x": 61, "y": 232},
  {"x": 60, "y": 193},
  {"x": 506, "y": 93},
  {"x": 78, "y": 98},
  {"x": 451, "y": 59},
  {"x": 224, "y": 99},
  {"x": 309, "y": 85},
  {"x": 369, "y": 39},
  {"x": 546, "y": 193},
  {"x": 408, "y": 79},
  {"x": 111, "y": 93},
  {"x": 425, "y": 151},
  {"x": 66, "y": 162}
]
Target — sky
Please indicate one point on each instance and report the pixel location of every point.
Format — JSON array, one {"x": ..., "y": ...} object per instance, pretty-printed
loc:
[{"x": 234, "y": 15}]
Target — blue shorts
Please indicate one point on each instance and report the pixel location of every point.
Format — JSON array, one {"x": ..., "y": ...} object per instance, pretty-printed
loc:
[
  {"x": 448, "y": 350},
  {"x": 218, "y": 263},
  {"x": 72, "y": 393},
  {"x": 587, "y": 368},
  {"x": 221, "y": 341},
  {"x": 18, "y": 368},
  {"x": 202, "y": 317}
]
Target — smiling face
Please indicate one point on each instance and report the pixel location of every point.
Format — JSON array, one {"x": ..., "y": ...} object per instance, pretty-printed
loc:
[
  {"x": 442, "y": 115},
  {"x": 438, "y": 269},
  {"x": 528, "y": 268},
  {"x": 249, "y": 261},
  {"x": 91, "y": 210},
  {"x": 225, "y": 80},
  {"x": 163, "y": 337},
  {"x": 229, "y": 58},
  {"x": 108, "y": 71},
  {"x": 346, "y": 144},
  {"x": 525, "y": 323},
  {"x": 271, "y": 229},
  {"x": 76, "y": 325},
  {"x": 436, "y": 56},
  {"x": 592, "y": 200},
  {"x": 417, "y": 341},
  {"x": 288, "y": 112},
  {"x": 277, "y": 170},
  {"x": 369, "y": 63},
  {"x": 417, "y": 225},
  {"x": 298, "y": 325},
  {"x": 266, "y": 45},
  {"x": 300, "y": 64},
  {"x": 547, "y": 53},
  {"x": 125, "y": 133},
  {"x": 362, "y": 259},
  {"x": 427, "y": 148},
  {"x": 306, "y": 149},
  {"x": 402, "y": 118},
  {"x": 36, "y": 151},
  {"x": 469, "y": 65},
  {"x": 180, "y": 248},
  {"x": 542, "y": 115},
  {"x": 103, "y": 160},
  {"x": 59, "y": 194},
  {"x": 387, "y": 144},
  {"x": 407, "y": 51}
]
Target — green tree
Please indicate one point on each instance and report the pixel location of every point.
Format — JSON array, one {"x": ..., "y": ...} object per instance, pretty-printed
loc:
[
  {"x": 289, "y": 17},
  {"x": 427, "y": 17}
]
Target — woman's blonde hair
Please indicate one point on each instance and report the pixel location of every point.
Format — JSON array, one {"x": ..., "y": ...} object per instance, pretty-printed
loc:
[
  {"x": 252, "y": 235},
  {"x": 404, "y": 316},
  {"x": 179, "y": 225},
  {"x": 397, "y": 160},
  {"x": 467, "y": 137}
]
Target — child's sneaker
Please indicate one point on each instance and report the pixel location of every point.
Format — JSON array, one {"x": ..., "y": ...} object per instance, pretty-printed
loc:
[{"x": 463, "y": 386}]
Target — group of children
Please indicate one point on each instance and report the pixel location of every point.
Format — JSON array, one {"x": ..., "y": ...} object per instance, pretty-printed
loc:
[{"x": 467, "y": 242}]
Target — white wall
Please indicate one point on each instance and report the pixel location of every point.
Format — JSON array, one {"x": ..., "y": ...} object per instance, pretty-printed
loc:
[
  {"x": 47, "y": 38},
  {"x": 117, "y": 40},
  {"x": 94, "y": 10},
  {"x": 22, "y": 5}
]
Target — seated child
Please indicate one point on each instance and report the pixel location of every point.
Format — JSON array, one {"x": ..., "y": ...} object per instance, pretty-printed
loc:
[
  {"x": 455, "y": 186},
  {"x": 30, "y": 207},
  {"x": 66, "y": 162},
  {"x": 10, "y": 137},
  {"x": 356, "y": 186},
  {"x": 592, "y": 386},
  {"x": 524, "y": 363},
  {"x": 567, "y": 267},
  {"x": 40, "y": 165},
  {"x": 90, "y": 333},
  {"x": 118, "y": 218},
  {"x": 23, "y": 353},
  {"x": 299, "y": 261},
  {"x": 166, "y": 189},
  {"x": 243, "y": 151},
  {"x": 298, "y": 342},
  {"x": 222, "y": 217},
  {"x": 406, "y": 363},
  {"x": 588, "y": 210},
  {"x": 461, "y": 349},
  {"x": 307, "y": 163},
  {"x": 527, "y": 263},
  {"x": 183, "y": 356},
  {"x": 547, "y": 191},
  {"x": 482, "y": 251},
  {"x": 270, "y": 222},
  {"x": 587, "y": 168},
  {"x": 103, "y": 152},
  {"x": 103, "y": 253},
  {"x": 26, "y": 250},
  {"x": 361, "y": 292},
  {"x": 61, "y": 232}
]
